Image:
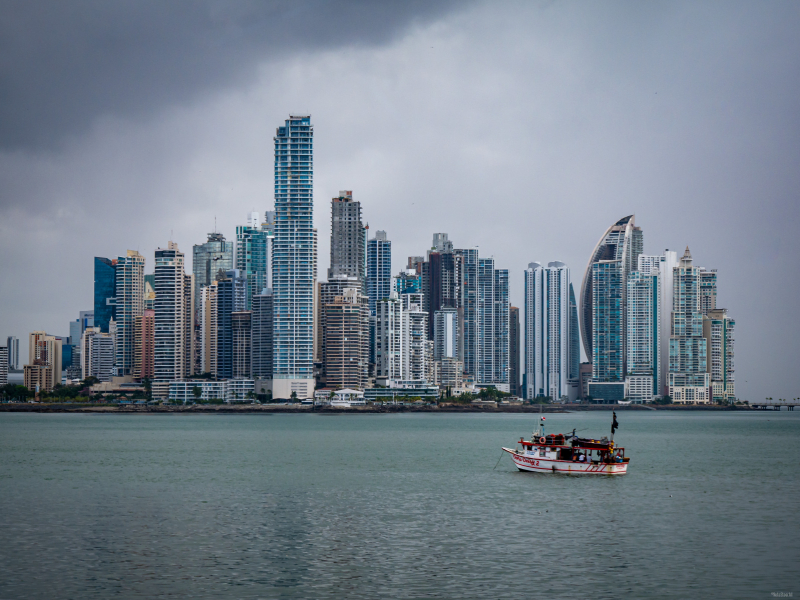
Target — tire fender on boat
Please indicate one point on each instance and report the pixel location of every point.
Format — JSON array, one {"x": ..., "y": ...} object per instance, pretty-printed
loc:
[{"x": 542, "y": 440}]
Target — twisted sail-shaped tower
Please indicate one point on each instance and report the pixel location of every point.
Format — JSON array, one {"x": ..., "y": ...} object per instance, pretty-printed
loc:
[{"x": 622, "y": 241}]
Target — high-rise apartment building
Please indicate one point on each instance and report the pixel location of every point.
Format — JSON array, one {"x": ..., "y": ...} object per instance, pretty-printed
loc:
[
  {"x": 708, "y": 290},
  {"x": 447, "y": 339},
  {"x": 408, "y": 281},
  {"x": 254, "y": 243},
  {"x": 442, "y": 278},
  {"x": 643, "y": 376},
  {"x": 328, "y": 292},
  {"x": 549, "y": 353},
  {"x": 45, "y": 351},
  {"x": 262, "y": 335},
  {"x": 241, "y": 337},
  {"x": 207, "y": 315},
  {"x": 129, "y": 304},
  {"x": 231, "y": 298},
  {"x": 144, "y": 349},
  {"x": 348, "y": 238},
  {"x": 210, "y": 261},
  {"x": 379, "y": 282},
  {"x": 12, "y": 343},
  {"x": 347, "y": 340},
  {"x": 492, "y": 320},
  {"x": 622, "y": 242},
  {"x": 105, "y": 289},
  {"x": 403, "y": 351},
  {"x": 150, "y": 291},
  {"x": 3, "y": 365},
  {"x": 294, "y": 260},
  {"x": 379, "y": 269},
  {"x": 718, "y": 329},
  {"x": 174, "y": 314},
  {"x": 469, "y": 304},
  {"x": 608, "y": 339},
  {"x": 689, "y": 380},
  {"x": 664, "y": 265},
  {"x": 514, "y": 342}
]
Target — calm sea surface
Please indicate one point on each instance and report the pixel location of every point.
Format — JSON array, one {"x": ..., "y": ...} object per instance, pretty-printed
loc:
[{"x": 394, "y": 506}]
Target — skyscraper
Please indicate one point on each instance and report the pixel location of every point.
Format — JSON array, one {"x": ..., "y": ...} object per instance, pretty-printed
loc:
[
  {"x": 3, "y": 365},
  {"x": 664, "y": 265},
  {"x": 347, "y": 341},
  {"x": 105, "y": 289},
  {"x": 548, "y": 332},
  {"x": 210, "y": 261},
  {"x": 689, "y": 380},
  {"x": 328, "y": 292},
  {"x": 447, "y": 339},
  {"x": 379, "y": 282},
  {"x": 442, "y": 278},
  {"x": 253, "y": 245},
  {"x": 607, "y": 335},
  {"x": 469, "y": 301},
  {"x": 348, "y": 238},
  {"x": 708, "y": 290},
  {"x": 643, "y": 376},
  {"x": 262, "y": 335},
  {"x": 241, "y": 336},
  {"x": 492, "y": 321},
  {"x": 514, "y": 337},
  {"x": 403, "y": 351},
  {"x": 44, "y": 359},
  {"x": 379, "y": 269},
  {"x": 231, "y": 297},
  {"x": 144, "y": 350},
  {"x": 174, "y": 312},
  {"x": 12, "y": 343},
  {"x": 718, "y": 330},
  {"x": 294, "y": 260},
  {"x": 623, "y": 242},
  {"x": 208, "y": 329},
  {"x": 129, "y": 304}
]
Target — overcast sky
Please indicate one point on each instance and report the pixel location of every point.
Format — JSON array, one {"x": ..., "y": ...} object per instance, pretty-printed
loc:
[{"x": 523, "y": 128}]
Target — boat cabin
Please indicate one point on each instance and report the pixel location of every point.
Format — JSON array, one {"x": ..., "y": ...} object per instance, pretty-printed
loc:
[{"x": 556, "y": 447}]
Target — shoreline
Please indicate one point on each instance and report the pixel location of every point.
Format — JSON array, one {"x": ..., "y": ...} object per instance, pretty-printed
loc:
[{"x": 267, "y": 409}]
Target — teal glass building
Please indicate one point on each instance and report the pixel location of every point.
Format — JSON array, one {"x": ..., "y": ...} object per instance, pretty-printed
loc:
[{"x": 105, "y": 290}]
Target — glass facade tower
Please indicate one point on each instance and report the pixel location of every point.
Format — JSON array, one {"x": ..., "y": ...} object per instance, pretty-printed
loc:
[
  {"x": 293, "y": 260},
  {"x": 210, "y": 261},
  {"x": 607, "y": 321},
  {"x": 129, "y": 305},
  {"x": 252, "y": 258},
  {"x": 105, "y": 289}
]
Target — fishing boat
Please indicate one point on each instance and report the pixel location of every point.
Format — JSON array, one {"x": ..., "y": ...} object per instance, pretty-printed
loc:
[{"x": 569, "y": 453}]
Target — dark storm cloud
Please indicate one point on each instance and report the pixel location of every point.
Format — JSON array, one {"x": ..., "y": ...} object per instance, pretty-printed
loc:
[{"x": 64, "y": 63}]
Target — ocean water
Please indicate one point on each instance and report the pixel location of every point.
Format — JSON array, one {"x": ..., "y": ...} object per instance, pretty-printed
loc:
[{"x": 394, "y": 506}]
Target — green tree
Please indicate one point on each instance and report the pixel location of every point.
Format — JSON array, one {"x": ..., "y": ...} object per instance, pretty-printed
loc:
[
  {"x": 197, "y": 392},
  {"x": 293, "y": 397},
  {"x": 148, "y": 388}
]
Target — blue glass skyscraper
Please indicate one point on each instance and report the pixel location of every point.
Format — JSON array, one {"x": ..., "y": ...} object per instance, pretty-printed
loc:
[
  {"x": 252, "y": 256},
  {"x": 293, "y": 260},
  {"x": 379, "y": 282},
  {"x": 379, "y": 269},
  {"x": 105, "y": 286}
]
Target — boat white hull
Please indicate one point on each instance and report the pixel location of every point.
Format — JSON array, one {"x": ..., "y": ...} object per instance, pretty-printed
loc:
[{"x": 536, "y": 464}]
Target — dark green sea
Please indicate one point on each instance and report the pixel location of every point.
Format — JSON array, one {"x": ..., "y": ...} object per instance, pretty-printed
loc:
[{"x": 394, "y": 506}]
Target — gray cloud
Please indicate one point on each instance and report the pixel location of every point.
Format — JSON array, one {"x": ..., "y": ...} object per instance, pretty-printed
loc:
[{"x": 65, "y": 63}]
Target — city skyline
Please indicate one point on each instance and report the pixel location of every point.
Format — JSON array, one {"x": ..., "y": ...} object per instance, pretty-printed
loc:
[{"x": 644, "y": 140}]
